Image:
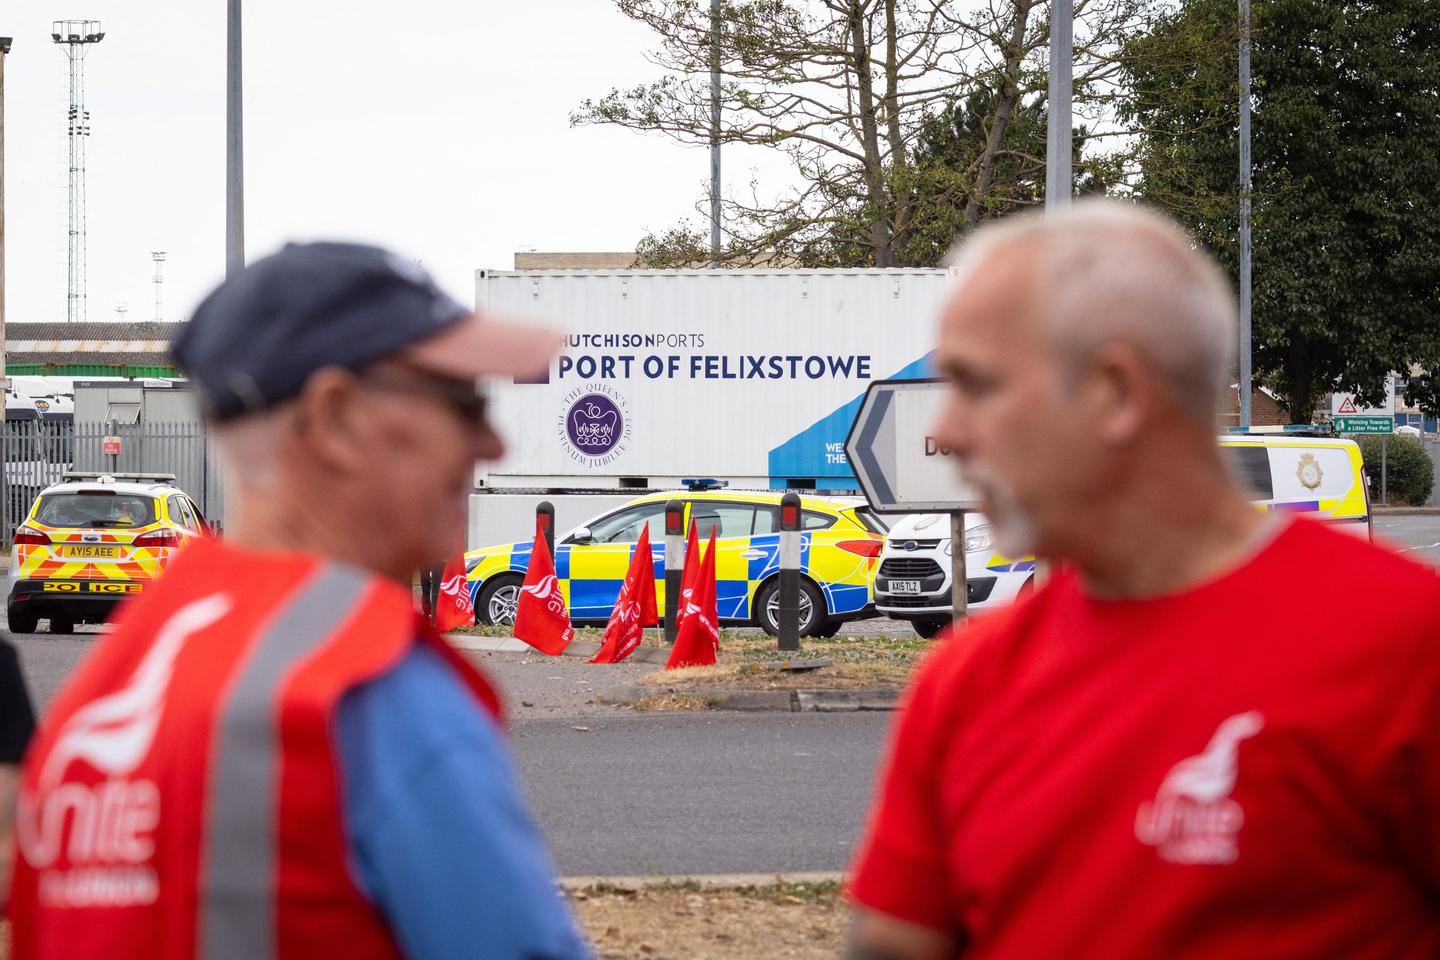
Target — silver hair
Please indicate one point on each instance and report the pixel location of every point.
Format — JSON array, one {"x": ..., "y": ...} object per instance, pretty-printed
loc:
[{"x": 1111, "y": 271}]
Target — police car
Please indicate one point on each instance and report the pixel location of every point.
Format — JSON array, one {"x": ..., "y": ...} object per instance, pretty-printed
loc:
[
  {"x": 840, "y": 543},
  {"x": 1323, "y": 477},
  {"x": 90, "y": 541}
]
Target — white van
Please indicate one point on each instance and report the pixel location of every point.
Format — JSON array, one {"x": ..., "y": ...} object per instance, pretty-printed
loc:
[{"x": 1318, "y": 476}]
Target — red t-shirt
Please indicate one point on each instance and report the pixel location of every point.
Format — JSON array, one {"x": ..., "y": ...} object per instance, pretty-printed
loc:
[{"x": 1247, "y": 769}]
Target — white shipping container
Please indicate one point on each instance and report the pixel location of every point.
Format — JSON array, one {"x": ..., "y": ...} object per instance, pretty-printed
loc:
[{"x": 750, "y": 376}]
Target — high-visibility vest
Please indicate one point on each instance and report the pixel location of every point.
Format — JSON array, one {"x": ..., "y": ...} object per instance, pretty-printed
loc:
[{"x": 183, "y": 798}]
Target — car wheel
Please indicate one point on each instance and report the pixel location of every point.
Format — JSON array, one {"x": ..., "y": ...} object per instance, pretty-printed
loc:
[
  {"x": 62, "y": 625},
  {"x": 928, "y": 629},
  {"x": 23, "y": 622},
  {"x": 812, "y": 608},
  {"x": 498, "y": 600}
]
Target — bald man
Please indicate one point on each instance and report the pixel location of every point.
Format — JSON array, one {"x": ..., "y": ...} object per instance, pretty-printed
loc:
[{"x": 1190, "y": 742}]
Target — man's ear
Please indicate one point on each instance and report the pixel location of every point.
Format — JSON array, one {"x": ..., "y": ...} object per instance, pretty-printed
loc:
[
  {"x": 1124, "y": 393},
  {"x": 330, "y": 420}
]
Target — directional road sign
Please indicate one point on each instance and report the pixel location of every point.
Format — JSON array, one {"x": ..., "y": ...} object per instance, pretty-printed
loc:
[
  {"x": 901, "y": 466},
  {"x": 1364, "y": 424}
]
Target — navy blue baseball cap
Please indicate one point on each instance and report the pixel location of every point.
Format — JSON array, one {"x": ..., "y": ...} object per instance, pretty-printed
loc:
[{"x": 255, "y": 340}]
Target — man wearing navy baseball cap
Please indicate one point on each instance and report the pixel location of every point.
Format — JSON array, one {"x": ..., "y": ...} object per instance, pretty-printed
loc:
[{"x": 300, "y": 765}]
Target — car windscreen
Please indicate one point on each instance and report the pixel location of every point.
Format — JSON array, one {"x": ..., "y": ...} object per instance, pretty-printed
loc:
[{"x": 96, "y": 510}]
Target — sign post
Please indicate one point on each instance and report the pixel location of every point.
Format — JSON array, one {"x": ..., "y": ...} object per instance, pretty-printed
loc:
[
  {"x": 1350, "y": 417},
  {"x": 110, "y": 446},
  {"x": 903, "y": 468},
  {"x": 1384, "y": 472},
  {"x": 959, "y": 582}
]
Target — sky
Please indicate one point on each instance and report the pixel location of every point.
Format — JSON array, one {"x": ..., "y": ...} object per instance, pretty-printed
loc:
[{"x": 439, "y": 128}]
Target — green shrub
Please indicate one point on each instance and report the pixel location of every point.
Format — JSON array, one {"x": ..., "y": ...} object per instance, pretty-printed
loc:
[{"x": 1410, "y": 471}]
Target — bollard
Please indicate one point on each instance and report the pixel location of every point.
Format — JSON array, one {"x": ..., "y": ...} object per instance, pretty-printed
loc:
[
  {"x": 545, "y": 524},
  {"x": 789, "y": 614},
  {"x": 674, "y": 562},
  {"x": 959, "y": 586}
]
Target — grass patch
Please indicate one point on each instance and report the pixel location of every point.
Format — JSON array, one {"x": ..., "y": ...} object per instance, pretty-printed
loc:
[
  {"x": 885, "y": 661},
  {"x": 672, "y": 702}
]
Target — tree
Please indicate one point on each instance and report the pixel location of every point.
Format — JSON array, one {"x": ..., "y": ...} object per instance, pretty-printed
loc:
[
  {"x": 1346, "y": 202},
  {"x": 1409, "y": 471},
  {"x": 859, "y": 94}
]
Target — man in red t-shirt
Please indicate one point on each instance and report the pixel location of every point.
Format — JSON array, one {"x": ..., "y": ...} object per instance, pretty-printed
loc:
[{"x": 1215, "y": 732}]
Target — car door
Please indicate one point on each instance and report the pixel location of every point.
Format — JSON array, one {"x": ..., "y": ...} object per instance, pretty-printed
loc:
[
  {"x": 595, "y": 568},
  {"x": 744, "y": 543},
  {"x": 181, "y": 513},
  {"x": 201, "y": 526}
]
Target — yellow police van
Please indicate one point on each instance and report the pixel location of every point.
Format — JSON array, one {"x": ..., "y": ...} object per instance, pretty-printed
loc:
[
  {"x": 840, "y": 543},
  {"x": 92, "y": 540}
]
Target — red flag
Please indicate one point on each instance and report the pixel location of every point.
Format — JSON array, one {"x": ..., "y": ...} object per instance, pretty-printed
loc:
[
  {"x": 649, "y": 615},
  {"x": 688, "y": 575},
  {"x": 454, "y": 606},
  {"x": 541, "y": 619},
  {"x": 627, "y": 622},
  {"x": 698, "y": 639}
]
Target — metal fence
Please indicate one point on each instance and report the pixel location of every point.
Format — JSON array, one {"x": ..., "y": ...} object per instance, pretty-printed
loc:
[{"x": 38, "y": 452}]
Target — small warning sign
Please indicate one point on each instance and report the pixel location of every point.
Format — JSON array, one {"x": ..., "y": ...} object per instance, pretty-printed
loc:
[{"x": 1345, "y": 405}]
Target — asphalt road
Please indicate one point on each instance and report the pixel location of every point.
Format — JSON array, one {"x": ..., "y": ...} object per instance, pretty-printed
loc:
[
  {"x": 701, "y": 793},
  {"x": 1416, "y": 537}
]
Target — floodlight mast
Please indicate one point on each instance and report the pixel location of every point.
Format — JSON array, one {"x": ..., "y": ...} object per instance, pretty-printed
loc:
[{"x": 76, "y": 37}]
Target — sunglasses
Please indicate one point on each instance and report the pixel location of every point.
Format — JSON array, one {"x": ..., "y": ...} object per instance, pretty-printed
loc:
[{"x": 462, "y": 397}]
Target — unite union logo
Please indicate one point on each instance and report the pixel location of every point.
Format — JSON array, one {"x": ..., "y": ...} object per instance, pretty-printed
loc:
[
  {"x": 92, "y": 836},
  {"x": 1193, "y": 819}
]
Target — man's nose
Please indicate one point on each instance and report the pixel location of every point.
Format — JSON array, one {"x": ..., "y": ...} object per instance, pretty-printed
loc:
[
  {"x": 486, "y": 443},
  {"x": 952, "y": 426}
]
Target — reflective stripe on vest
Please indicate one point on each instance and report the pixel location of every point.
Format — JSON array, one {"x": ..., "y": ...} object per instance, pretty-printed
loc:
[{"x": 236, "y": 904}]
